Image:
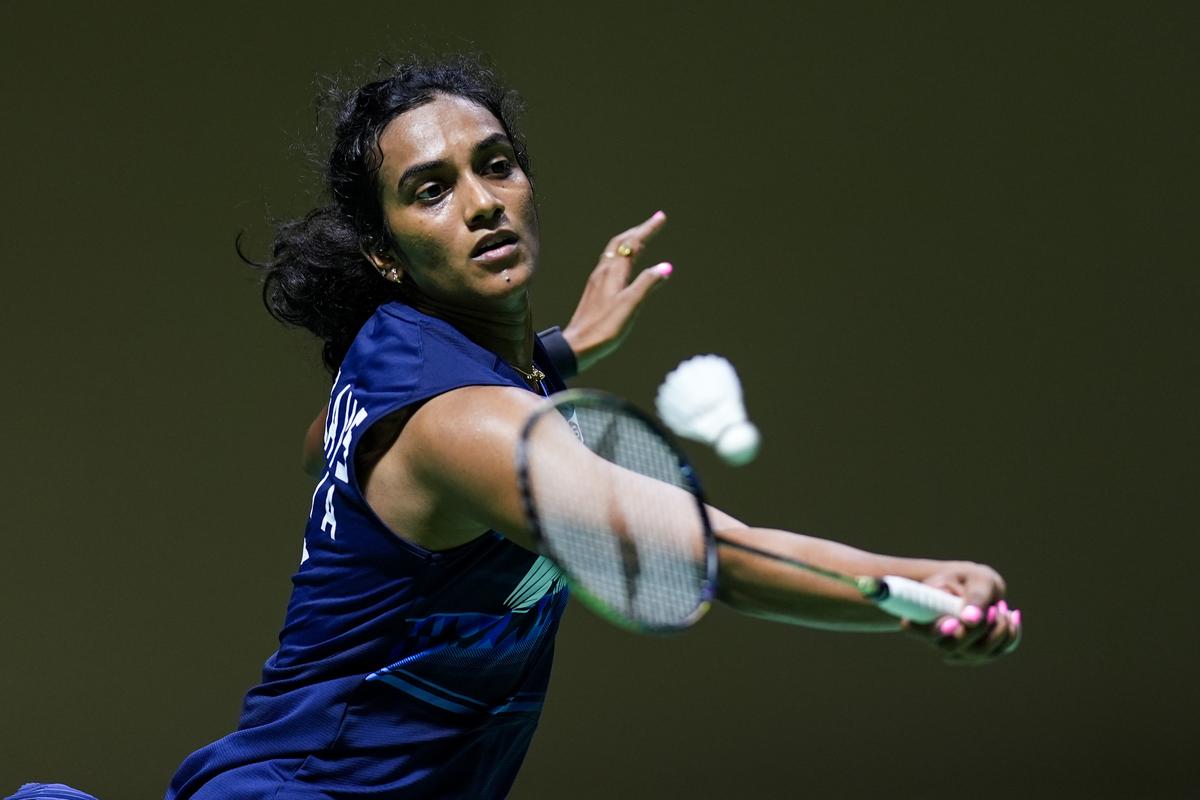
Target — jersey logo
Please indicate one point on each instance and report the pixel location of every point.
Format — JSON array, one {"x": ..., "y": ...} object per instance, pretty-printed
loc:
[
  {"x": 346, "y": 414},
  {"x": 543, "y": 578},
  {"x": 572, "y": 417}
]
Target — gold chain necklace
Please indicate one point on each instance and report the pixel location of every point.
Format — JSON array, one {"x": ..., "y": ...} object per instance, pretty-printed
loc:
[{"x": 534, "y": 376}]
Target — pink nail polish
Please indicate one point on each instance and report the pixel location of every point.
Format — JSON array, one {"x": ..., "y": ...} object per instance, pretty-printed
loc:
[
  {"x": 971, "y": 615},
  {"x": 1016, "y": 618},
  {"x": 992, "y": 612},
  {"x": 665, "y": 269},
  {"x": 949, "y": 627},
  {"x": 659, "y": 215},
  {"x": 1003, "y": 607}
]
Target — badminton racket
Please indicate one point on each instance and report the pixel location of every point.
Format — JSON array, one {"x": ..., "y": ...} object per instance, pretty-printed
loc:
[{"x": 626, "y": 521}]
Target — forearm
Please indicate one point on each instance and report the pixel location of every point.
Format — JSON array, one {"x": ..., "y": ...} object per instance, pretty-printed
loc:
[{"x": 766, "y": 588}]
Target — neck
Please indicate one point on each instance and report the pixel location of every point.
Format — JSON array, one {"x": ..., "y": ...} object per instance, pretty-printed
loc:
[{"x": 507, "y": 333}]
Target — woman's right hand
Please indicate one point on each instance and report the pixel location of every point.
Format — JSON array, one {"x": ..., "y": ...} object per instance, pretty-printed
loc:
[{"x": 985, "y": 629}]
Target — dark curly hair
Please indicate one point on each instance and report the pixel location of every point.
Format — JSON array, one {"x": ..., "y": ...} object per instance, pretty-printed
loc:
[{"x": 318, "y": 276}]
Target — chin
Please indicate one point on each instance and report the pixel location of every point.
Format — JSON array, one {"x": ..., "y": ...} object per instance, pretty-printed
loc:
[{"x": 519, "y": 277}]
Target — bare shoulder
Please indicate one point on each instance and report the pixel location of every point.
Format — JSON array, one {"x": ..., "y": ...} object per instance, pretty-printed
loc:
[
  {"x": 451, "y": 474},
  {"x": 473, "y": 413}
]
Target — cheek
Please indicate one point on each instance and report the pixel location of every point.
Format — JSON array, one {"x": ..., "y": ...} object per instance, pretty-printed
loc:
[
  {"x": 535, "y": 224},
  {"x": 418, "y": 244},
  {"x": 529, "y": 213}
]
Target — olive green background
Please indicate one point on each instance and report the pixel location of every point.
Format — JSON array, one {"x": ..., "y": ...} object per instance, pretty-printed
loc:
[{"x": 952, "y": 252}]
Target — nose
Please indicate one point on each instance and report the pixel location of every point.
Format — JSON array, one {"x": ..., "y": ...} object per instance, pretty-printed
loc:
[{"x": 481, "y": 205}]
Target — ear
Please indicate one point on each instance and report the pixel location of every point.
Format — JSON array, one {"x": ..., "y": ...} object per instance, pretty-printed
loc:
[{"x": 381, "y": 257}]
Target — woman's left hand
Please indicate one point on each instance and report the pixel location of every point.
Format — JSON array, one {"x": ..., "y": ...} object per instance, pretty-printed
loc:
[
  {"x": 610, "y": 302},
  {"x": 985, "y": 629}
]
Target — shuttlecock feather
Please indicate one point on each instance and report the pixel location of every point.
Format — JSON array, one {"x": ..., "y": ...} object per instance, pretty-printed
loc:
[{"x": 701, "y": 399}]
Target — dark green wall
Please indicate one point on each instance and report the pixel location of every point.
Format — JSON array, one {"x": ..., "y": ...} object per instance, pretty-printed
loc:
[{"x": 953, "y": 254}]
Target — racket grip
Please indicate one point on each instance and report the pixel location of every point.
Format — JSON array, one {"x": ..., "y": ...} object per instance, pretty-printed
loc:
[{"x": 908, "y": 599}]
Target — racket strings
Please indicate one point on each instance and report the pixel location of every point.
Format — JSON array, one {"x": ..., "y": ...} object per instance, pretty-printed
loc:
[{"x": 630, "y": 538}]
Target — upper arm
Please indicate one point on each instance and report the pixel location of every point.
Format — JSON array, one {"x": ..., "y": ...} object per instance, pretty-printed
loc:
[
  {"x": 458, "y": 451},
  {"x": 457, "y": 455}
]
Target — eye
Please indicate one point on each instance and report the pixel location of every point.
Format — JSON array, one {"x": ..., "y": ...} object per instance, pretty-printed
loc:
[
  {"x": 430, "y": 191},
  {"x": 500, "y": 166}
]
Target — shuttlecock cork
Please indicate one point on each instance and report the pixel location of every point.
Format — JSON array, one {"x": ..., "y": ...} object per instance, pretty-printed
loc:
[{"x": 701, "y": 399}]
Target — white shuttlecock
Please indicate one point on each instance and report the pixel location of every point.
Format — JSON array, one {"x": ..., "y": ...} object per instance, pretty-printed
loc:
[{"x": 701, "y": 399}]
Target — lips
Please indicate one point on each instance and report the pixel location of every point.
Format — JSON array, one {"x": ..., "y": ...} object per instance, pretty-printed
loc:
[{"x": 495, "y": 244}]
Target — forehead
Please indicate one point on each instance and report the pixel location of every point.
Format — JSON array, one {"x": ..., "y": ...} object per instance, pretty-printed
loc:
[{"x": 446, "y": 128}]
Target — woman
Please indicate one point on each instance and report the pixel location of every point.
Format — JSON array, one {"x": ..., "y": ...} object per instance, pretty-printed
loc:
[{"x": 408, "y": 665}]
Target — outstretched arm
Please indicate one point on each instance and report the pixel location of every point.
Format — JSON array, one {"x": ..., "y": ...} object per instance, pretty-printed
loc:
[
  {"x": 468, "y": 468},
  {"x": 985, "y": 629}
]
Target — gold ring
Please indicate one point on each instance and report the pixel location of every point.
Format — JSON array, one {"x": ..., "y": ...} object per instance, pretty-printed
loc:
[{"x": 624, "y": 250}]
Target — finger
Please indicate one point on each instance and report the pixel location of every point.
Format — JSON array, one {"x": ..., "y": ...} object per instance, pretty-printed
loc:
[
  {"x": 1003, "y": 635},
  {"x": 1000, "y": 631},
  {"x": 1012, "y": 637},
  {"x": 645, "y": 282},
  {"x": 1015, "y": 618},
  {"x": 981, "y": 649},
  {"x": 645, "y": 232},
  {"x": 973, "y": 621},
  {"x": 941, "y": 632},
  {"x": 623, "y": 249},
  {"x": 963, "y": 635},
  {"x": 948, "y": 634},
  {"x": 970, "y": 618},
  {"x": 635, "y": 239}
]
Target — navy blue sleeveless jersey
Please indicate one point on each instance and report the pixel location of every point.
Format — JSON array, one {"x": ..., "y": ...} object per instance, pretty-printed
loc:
[{"x": 401, "y": 672}]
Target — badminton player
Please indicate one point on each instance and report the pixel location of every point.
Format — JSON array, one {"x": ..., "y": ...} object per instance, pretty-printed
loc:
[{"x": 417, "y": 645}]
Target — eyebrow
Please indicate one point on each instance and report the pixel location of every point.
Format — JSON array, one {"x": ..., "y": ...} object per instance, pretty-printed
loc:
[{"x": 428, "y": 166}]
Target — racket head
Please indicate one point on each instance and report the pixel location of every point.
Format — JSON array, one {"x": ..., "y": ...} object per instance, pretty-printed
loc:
[{"x": 655, "y": 570}]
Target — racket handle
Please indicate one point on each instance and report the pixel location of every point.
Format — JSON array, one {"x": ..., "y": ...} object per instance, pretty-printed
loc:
[{"x": 909, "y": 599}]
